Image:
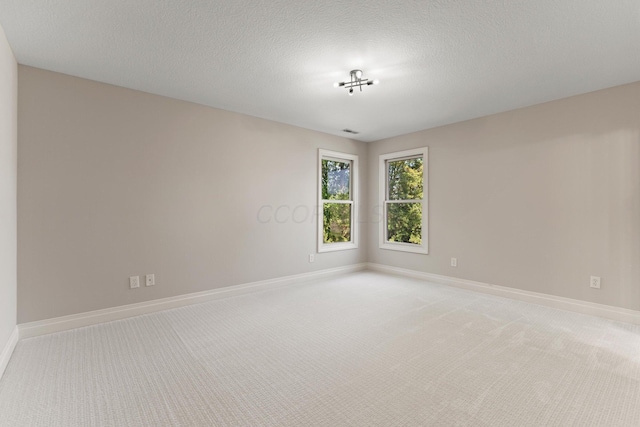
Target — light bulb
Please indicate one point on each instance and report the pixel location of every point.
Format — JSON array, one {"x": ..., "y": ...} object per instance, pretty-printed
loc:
[
  {"x": 350, "y": 92},
  {"x": 376, "y": 82},
  {"x": 336, "y": 84},
  {"x": 358, "y": 74}
]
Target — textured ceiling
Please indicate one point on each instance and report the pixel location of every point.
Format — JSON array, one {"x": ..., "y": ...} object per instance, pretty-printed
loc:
[{"x": 438, "y": 61}]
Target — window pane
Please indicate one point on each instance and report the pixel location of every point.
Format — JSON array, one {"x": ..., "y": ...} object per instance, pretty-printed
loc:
[
  {"x": 404, "y": 222},
  {"x": 337, "y": 222},
  {"x": 405, "y": 179},
  {"x": 336, "y": 179}
]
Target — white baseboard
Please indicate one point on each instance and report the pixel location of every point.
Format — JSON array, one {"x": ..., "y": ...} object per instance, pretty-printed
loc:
[
  {"x": 578, "y": 306},
  {"x": 58, "y": 324},
  {"x": 7, "y": 351}
]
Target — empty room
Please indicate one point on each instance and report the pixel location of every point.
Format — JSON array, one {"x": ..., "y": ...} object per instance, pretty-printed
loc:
[{"x": 303, "y": 213}]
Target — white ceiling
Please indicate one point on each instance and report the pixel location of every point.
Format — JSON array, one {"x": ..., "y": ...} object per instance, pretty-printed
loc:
[{"x": 438, "y": 61}]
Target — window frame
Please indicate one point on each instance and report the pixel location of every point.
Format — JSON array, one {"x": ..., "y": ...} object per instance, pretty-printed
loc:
[
  {"x": 384, "y": 200},
  {"x": 354, "y": 201}
]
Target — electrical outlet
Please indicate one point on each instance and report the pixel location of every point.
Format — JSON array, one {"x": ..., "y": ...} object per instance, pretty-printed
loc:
[
  {"x": 150, "y": 279},
  {"x": 312, "y": 257},
  {"x": 595, "y": 282},
  {"x": 454, "y": 262},
  {"x": 134, "y": 282}
]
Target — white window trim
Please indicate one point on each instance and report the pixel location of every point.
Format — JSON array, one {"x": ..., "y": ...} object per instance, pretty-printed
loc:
[
  {"x": 382, "y": 185},
  {"x": 341, "y": 246}
]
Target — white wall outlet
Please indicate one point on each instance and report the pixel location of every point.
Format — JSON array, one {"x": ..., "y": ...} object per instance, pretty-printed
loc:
[
  {"x": 454, "y": 262},
  {"x": 150, "y": 279},
  {"x": 134, "y": 282},
  {"x": 312, "y": 257},
  {"x": 595, "y": 282}
]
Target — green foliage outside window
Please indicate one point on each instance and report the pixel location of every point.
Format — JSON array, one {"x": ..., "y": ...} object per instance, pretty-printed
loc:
[
  {"x": 336, "y": 185},
  {"x": 405, "y": 183}
]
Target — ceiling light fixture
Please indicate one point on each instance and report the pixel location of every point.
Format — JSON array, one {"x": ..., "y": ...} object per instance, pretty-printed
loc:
[{"x": 356, "y": 82}]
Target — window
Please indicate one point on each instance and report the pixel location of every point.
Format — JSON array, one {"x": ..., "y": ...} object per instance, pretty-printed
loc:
[
  {"x": 337, "y": 197},
  {"x": 403, "y": 200}
]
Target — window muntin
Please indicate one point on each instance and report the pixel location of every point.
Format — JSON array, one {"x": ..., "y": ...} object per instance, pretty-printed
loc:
[
  {"x": 336, "y": 219},
  {"x": 403, "y": 200}
]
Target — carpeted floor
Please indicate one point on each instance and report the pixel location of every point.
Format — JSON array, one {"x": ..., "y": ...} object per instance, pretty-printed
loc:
[{"x": 364, "y": 349}]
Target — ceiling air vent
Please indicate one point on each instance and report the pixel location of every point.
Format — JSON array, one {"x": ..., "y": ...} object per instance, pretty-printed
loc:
[{"x": 350, "y": 131}]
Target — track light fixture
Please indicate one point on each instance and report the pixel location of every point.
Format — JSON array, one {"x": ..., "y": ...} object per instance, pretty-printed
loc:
[{"x": 356, "y": 82}]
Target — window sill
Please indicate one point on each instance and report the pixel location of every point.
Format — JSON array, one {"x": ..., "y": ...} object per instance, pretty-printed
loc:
[
  {"x": 336, "y": 247},
  {"x": 404, "y": 247}
]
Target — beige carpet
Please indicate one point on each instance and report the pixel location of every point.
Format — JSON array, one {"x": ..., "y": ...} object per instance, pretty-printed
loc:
[{"x": 364, "y": 349}]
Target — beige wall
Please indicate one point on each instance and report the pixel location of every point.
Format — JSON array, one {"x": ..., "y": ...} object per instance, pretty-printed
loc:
[
  {"x": 537, "y": 199},
  {"x": 115, "y": 182},
  {"x": 8, "y": 165}
]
